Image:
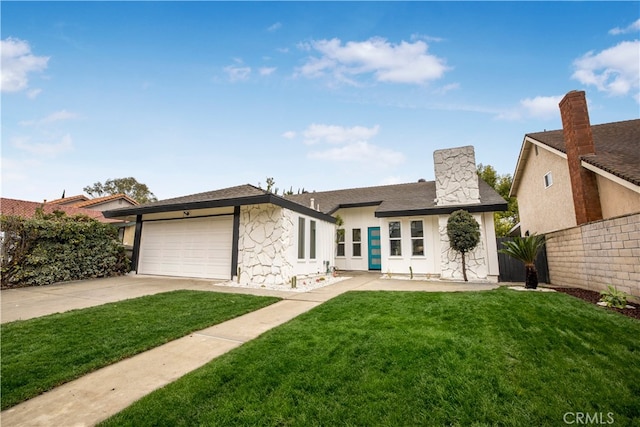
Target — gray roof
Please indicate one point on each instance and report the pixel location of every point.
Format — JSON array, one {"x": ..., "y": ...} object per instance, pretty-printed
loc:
[
  {"x": 411, "y": 199},
  {"x": 617, "y": 147},
  {"x": 391, "y": 200}
]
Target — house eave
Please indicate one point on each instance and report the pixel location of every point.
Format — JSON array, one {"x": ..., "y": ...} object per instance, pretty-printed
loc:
[
  {"x": 606, "y": 174},
  {"x": 444, "y": 210},
  {"x": 525, "y": 151},
  {"x": 206, "y": 204}
]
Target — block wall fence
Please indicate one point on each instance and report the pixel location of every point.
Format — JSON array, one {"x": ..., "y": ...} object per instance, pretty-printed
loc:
[{"x": 597, "y": 254}]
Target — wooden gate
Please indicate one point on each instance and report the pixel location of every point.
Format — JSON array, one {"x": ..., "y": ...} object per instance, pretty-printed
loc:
[{"x": 512, "y": 270}]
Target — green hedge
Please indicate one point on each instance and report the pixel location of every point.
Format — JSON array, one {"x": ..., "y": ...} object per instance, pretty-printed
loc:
[{"x": 57, "y": 248}]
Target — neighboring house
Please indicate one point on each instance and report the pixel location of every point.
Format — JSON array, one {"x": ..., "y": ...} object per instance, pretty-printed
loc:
[
  {"x": 28, "y": 209},
  {"x": 260, "y": 237},
  {"x": 126, "y": 230},
  {"x": 577, "y": 174}
]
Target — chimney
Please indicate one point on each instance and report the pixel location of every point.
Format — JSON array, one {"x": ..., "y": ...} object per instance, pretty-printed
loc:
[
  {"x": 312, "y": 204},
  {"x": 578, "y": 141},
  {"x": 456, "y": 176}
]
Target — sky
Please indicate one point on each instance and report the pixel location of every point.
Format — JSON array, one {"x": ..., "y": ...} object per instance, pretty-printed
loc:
[{"x": 188, "y": 97}]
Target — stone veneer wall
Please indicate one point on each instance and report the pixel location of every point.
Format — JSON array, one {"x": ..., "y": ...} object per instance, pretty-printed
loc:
[
  {"x": 451, "y": 261},
  {"x": 266, "y": 233},
  {"x": 456, "y": 176},
  {"x": 597, "y": 254}
]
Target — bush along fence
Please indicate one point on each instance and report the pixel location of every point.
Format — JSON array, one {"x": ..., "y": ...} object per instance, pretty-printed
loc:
[{"x": 57, "y": 248}]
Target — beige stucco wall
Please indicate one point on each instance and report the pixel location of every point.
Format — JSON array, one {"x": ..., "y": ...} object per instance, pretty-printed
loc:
[
  {"x": 545, "y": 209},
  {"x": 616, "y": 200}
]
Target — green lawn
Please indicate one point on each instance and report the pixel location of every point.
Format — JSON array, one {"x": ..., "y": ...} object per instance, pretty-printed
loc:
[
  {"x": 426, "y": 359},
  {"x": 42, "y": 353}
]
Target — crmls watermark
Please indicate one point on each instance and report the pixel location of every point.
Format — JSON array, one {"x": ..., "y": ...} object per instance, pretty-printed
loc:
[{"x": 588, "y": 418}]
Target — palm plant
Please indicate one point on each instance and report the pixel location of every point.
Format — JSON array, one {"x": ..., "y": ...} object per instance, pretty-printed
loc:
[{"x": 525, "y": 249}]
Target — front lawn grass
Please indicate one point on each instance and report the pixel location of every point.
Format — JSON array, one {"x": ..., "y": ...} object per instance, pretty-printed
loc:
[
  {"x": 426, "y": 359},
  {"x": 42, "y": 353}
]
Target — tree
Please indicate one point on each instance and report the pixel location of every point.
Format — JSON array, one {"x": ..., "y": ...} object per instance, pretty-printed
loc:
[
  {"x": 464, "y": 235},
  {"x": 129, "y": 186},
  {"x": 525, "y": 249},
  {"x": 504, "y": 221}
]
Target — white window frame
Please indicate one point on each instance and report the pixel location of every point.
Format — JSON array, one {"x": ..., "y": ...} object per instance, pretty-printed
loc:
[
  {"x": 395, "y": 239},
  {"x": 548, "y": 179},
  {"x": 355, "y": 242},
  {"x": 416, "y": 238},
  {"x": 301, "y": 232}
]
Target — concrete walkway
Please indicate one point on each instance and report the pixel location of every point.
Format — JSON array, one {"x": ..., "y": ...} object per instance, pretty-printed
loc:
[{"x": 98, "y": 395}]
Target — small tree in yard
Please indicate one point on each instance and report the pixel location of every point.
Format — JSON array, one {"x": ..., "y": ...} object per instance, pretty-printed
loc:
[
  {"x": 525, "y": 249},
  {"x": 464, "y": 235}
]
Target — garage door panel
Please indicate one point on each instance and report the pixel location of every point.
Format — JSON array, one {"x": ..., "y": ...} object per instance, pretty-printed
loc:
[{"x": 187, "y": 247}]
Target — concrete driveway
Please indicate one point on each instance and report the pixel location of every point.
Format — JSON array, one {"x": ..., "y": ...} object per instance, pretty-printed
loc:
[{"x": 36, "y": 301}]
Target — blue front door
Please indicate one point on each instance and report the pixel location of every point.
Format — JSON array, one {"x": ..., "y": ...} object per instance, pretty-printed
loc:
[{"x": 374, "y": 249}]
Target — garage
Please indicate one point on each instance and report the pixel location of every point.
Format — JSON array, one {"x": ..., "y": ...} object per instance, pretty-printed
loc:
[{"x": 194, "y": 247}]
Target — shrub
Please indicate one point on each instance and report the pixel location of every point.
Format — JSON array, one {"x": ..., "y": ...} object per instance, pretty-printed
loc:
[
  {"x": 56, "y": 248},
  {"x": 613, "y": 297},
  {"x": 464, "y": 234}
]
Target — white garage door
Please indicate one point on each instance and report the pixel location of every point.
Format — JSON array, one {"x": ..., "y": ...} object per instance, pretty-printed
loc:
[{"x": 199, "y": 247}]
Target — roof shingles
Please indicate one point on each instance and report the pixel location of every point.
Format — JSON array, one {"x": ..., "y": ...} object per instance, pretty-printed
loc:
[{"x": 617, "y": 147}]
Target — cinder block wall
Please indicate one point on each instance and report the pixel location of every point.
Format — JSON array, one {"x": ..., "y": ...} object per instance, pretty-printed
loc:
[{"x": 597, "y": 254}]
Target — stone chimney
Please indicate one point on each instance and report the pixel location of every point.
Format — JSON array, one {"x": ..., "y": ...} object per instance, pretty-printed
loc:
[
  {"x": 578, "y": 141},
  {"x": 456, "y": 176}
]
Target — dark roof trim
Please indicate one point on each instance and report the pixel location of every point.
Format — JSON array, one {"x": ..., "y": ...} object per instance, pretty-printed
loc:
[
  {"x": 354, "y": 205},
  {"x": 441, "y": 210},
  {"x": 239, "y": 201}
]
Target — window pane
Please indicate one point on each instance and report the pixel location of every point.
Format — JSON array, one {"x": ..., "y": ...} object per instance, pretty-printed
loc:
[
  {"x": 340, "y": 249},
  {"x": 417, "y": 246},
  {"x": 357, "y": 249},
  {"x": 312, "y": 240},
  {"x": 395, "y": 248},
  {"x": 416, "y": 229},
  {"x": 356, "y": 235},
  {"x": 394, "y": 229},
  {"x": 340, "y": 235},
  {"x": 300, "y": 238}
]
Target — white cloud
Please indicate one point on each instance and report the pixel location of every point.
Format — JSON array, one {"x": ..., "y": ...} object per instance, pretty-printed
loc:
[
  {"x": 17, "y": 62},
  {"x": 317, "y": 133},
  {"x": 33, "y": 93},
  {"x": 51, "y": 118},
  {"x": 274, "y": 27},
  {"x": 44, "y": 149},
  {"x": 541, "y": 106},
  {"x": 635, "y": 26},
  {"x": 362, "y": 152},
  {"x": 16, "y": 170},
  {"x": 237, "y": 73},
  {"x": 615, "y": 70},
  {"x": 266, "y": 71},
  {"x": 447, "y": 88},
  {"x": 289, "y": 134},
  {"x": 387, "y": 62},
  {"x": 426, "y": 38}
]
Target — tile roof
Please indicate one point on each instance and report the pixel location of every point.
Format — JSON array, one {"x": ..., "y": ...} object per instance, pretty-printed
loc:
[
  {"x": 82, "y": 201},
  {"x": 69, "y": 200},
  {"x": 27, "y": 209},
  {"x": 415, "y": 198},
  {"x": 104, "y": 199},
  {"x": 617, "y": 147}
]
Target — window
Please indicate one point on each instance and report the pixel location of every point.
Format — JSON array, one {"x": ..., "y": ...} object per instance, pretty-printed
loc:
[
  {"x": 340, "y": 241},
  {"x": 312, "y": 240},
  {"x": 357, "y": 242},
  {"x": 301, "y": 238},
  {"x": 395, "y": 241},
  {"x": 417, "y": 238},
  {"x": 548, "y": 180}
]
